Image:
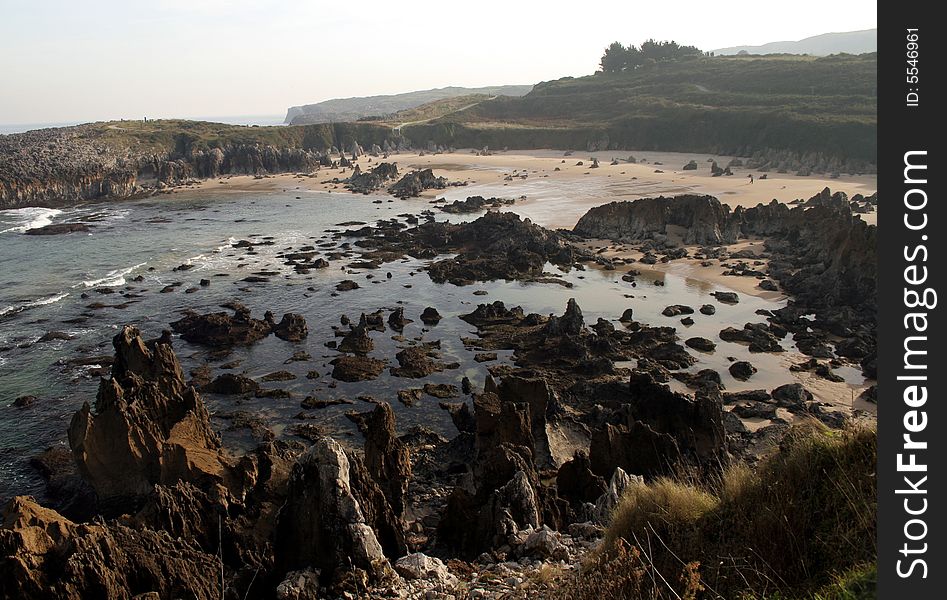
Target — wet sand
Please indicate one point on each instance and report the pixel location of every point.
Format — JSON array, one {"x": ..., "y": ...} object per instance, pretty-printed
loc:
[{"x": 557, "y": 199}]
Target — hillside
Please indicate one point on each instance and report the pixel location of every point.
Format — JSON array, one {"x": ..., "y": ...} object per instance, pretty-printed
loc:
[
  {"x": 848, "y": 42},
  {"x": 354, "y": 109},
  {"x": 735, "y": 105}
]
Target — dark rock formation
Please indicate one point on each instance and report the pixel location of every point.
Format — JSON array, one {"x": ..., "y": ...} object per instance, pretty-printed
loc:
[
  {"x": 742, "y": 370},
  {"x": 45, "y": 555},
  {"x": 499, "y": 245},
  {"x": 58, "y": 229},
  {"x": 415, "y": 182},
  {"x": 148, "y": 427},
  {"x": 221, "y": 329},
  {"x": 386, "y": 457},
  {"x": 68, "y": 165},
  {"x": 699, "y": 343},
  {"x": 370, "y": 181},
  {"x": 292, "y": 328},
  {"x": 704, "y": 217},
  {"x": 357, "y": 339},
  {"x": 475, "y": 204},
  {"x": 356, "y": 368},
  {"x": 323, "y": 524},
  {"x": 430, "y": 316}
]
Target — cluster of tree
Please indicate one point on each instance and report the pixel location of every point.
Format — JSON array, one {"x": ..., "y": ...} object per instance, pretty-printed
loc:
[{"x": 619, "y": 58}]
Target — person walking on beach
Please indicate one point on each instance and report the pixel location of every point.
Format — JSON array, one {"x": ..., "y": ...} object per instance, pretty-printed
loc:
[{"x": 751, "y": 177}]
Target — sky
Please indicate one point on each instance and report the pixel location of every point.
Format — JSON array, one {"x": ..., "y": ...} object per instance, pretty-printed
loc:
[{"x": 89, "y": 60}]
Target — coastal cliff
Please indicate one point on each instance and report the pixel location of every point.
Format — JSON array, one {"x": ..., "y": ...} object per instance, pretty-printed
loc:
[{"x": 118, "y": 160}]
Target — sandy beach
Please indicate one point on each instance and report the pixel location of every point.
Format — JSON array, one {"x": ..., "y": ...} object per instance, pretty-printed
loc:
[{"x": 558, "y": 198}]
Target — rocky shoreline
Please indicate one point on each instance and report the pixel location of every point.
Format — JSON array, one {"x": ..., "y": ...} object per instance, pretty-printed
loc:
[{"x": 541, "y": 454}]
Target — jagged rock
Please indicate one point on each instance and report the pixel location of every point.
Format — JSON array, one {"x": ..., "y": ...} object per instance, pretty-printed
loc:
[
  {"x": 461, "y": 416},
  {"x": 638, "y": 449},
  {"x": 576, "y": 483},
  {"x": 370, "y": 181},
  {"x": 792, "y": 396},
  {"x": 474, "y": 204},
  {"x": 322, "y": 524},
  {"x": 356, "y": 368},
  {"x": 704, "y": 218},
  {"x": 422, "y": 566},
  {"x": 415, "y": 182},
  {"x": 708, "y": 309},
  {"x": 292, "y": 328},
  {"x": 411, "y": 396},
  {"x": 149, "y": 427},
  {"x": 387, "y": 459},
  {"x": 759, "y": 336},
  {"x": 231, "y": 384},
  {"x": 570, "y": 323},
  {"x": 221, "y": 329},
  {"x": 397, "y": 320},
  {"x": 606, "y": 504},
  {"x": 498, "y": 245},
  {"x": 416, "y": 362},
  {"x": 430, "y": 316},
  {"x": 357, "y": 339},
  {"x": 299, "y": 585},
  {"x": 441, "y": 390},
  {"x": 45, "y": 555}
]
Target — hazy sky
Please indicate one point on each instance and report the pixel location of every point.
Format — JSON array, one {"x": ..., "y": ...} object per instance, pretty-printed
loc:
[{"x": 65, "y": 60}]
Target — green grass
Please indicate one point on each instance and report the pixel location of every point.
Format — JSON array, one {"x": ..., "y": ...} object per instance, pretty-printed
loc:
[
  {"x": 180, "y": 136},
  {"x": 801, "y": 524},
  {"x": 736, "y": 105}
]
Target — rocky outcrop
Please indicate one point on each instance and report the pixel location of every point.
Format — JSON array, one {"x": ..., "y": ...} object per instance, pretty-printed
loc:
[
  {"x": 149, "y": 426},
  {"x": 323, "y": 524},
  {"x": 475, "y": 204},
  {"x": 500, "y": 246},
  {"x": 221, "y": 329},
  {"x": 705, "y": 219},
  {"x": 415, "y": 182},
  {"x": 373, "y": 180},
  {"x": 60, "y": 166},
  {"x": 386, "y": 457},
  {"x": 45, "y": 555},
  {"x": 292, "y": 327}
]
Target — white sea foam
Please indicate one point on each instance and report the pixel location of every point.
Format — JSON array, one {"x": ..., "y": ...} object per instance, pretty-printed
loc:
[
  {"x": 28, "y": 218},
  {"x": 112, "y": 278},
  {"x": 21, "y": 306}
]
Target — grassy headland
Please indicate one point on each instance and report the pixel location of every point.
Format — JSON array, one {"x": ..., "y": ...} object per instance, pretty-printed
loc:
[{"x": 728, "y": 105}]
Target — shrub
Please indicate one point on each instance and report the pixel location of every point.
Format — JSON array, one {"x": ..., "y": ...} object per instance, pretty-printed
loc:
[{"x": 801, "y": 524}]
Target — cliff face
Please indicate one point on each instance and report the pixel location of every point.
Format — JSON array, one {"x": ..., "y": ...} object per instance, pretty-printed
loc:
[
  {"x": 55, "y": 167},
  {"x": 70, "y": 171}
]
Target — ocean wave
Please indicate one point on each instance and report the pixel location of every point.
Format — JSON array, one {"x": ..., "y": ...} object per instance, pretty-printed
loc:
[
  {"x": 112, "y": 278},
  {"x": 28, "y": 218},
  {"x": 21, "y": 306}
]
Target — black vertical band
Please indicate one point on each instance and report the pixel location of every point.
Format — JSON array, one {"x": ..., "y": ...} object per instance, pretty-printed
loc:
[{"x": 912, "y": 252}]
